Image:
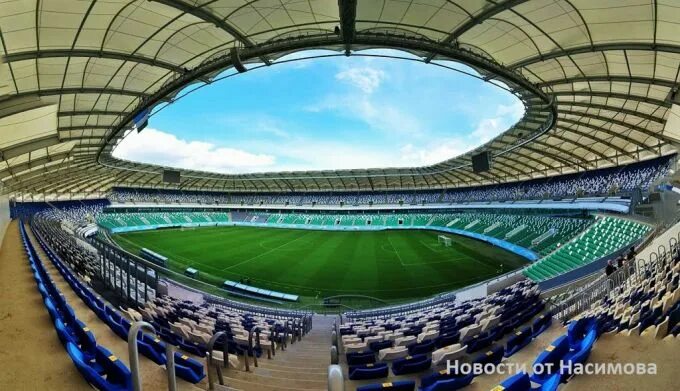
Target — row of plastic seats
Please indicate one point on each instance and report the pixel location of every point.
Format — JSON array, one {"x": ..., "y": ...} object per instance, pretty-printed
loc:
[
  {"x": 442, "y": 380},
  {"x": 98, "y": 365},
  {"x": 563, "y": 354},
  {"x": 403, "y": 366},
  {"x": 186, "y": 367}
]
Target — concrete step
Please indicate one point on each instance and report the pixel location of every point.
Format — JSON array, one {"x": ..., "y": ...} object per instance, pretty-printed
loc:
[{"x": 255, "y": 384}]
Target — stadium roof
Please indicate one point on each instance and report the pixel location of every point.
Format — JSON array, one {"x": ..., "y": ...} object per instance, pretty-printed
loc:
[{"x": 598, "y": 79}]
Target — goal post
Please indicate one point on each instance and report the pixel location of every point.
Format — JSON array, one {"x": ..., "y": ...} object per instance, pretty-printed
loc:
[{"x": 444, "y": 240}]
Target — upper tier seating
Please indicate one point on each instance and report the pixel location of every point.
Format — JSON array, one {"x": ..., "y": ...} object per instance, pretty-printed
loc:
[
  {"x": 620, "y": 180},
  {"x": 606, "y": 236},
  {"x": 117, "y": 220},
  {"x": 540, "y": 233}
]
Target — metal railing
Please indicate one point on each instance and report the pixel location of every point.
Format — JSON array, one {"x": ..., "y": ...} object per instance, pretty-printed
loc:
[
  {"x": 403, "y": 309},
  {"x": 336, "y": 381},
  {"x": 133, "y": 351},
  {"x": 211, "y": 360},
  {"x": 611, "y": 286}
]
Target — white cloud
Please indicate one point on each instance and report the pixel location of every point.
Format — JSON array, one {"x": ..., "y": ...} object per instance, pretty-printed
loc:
[
  {"x": 374, "y": 112},
  {"x": 506, "y": 116},
  {"x": 486, "y": 130},
  {"x": 436, "y": 151},
  {"x": 155, "y": 146},
  {"x": 367, "y": 79},
  {"x": 513, "y": 111},
  {"x": 267, "y": 143},
  {"x": 252, "y": 123}
]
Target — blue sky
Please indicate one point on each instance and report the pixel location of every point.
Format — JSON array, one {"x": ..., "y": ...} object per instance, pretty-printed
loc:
[{"x": 331, "y": 113}]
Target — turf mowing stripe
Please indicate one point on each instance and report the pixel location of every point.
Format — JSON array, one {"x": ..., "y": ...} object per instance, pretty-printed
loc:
[
  {"x": 265, "y": 253},
  {"x": 395, "y": 250},
  {"x": 386, "y": 264}
]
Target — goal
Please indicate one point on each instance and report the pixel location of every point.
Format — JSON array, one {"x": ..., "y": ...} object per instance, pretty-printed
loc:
[{"x": 444, "y": 240}]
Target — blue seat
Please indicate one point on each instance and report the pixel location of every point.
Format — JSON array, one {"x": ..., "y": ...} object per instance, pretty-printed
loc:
[
  {"x": 577, "y": 330},
  {"x": 119, "y": 325},
  {"x": 85, "y": 337},
  {"x": 169, "y": 337},
  {"x": 192, "y": 347},
  {"x": 188, "y": 369},
  {"x": 51, "y": 309},
  {"x": 152, "y": 348},
  {"x": 518, "y": 340},
  {"x": 580, "y": 354},
  {"x": 445, "y": 381},
  {"x": 447, "y": 339},
  {"x": 492, "y": 356},
  {"x": 496, "y": 333},
  {"x": 674, "y": 320},
  {"x": 411, "y": 364},
  {"x": 480, "y": 342},
  {"x": 111, "y": 374},
  {"x": 379, "y": 345},
  {"x": 421, "y": 348},
  {"x": 541, "y": 324},
  {"x": 521, "y": 382},
  {"x": 368, "y": 371},
  {"x": 550, "y": 358},
  {"x": 401, "y": 385},
  {"x": 650, "y": 318},
  {"x": 43, "y": 291},
  {"x": 358, "y": 358}
]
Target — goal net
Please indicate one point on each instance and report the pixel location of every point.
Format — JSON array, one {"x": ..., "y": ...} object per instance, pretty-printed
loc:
[{"x": 444, "y": 240}]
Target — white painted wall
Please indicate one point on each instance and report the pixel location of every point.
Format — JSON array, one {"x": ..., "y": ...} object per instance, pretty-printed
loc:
[{"x": 4, "y": 216}]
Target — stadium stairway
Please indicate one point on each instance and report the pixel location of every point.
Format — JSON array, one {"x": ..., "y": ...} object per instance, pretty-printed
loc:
[
  {"x": 153, "y": 377},
  {"x": 31, "y": 356},
  {"x": 302, "y": 366}
]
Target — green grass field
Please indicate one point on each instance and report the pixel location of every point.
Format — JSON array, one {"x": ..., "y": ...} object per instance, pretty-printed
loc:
[{"x": 389, "y": 265}]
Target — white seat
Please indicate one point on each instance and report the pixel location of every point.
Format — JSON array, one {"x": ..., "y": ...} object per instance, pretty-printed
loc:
[
  {"x": 376, "y": 338},
  {"x": 404, "y": 341},
  {"x": 422, "y": 337},
  {"x": 180, "y": 330},
  {"x": 490, "y": 323},
  {"x": 134, "y": 315},
  {"x": 356, "y": 347},
  {"x": 200, "y": 337},
  {"x": 470, "y": 331},
  {"x": 219, "y": 358},
  {"x": 394, "y": 336},
  {"x": 350, "y": 341},
  {"x": 389, "y": 354}
]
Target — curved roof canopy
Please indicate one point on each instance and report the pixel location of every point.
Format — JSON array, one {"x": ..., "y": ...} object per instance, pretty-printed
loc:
[{"x": 598, "y": 79}]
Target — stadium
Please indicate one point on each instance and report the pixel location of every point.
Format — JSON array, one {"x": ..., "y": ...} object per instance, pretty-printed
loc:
[{"x": 536, "y": 254}]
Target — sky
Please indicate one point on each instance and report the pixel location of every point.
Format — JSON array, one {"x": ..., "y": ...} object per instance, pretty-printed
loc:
[{"x": 327, "y": 113}]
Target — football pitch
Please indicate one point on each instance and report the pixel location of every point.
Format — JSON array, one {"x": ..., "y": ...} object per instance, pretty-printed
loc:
[{"x": 389, "y": 265}]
